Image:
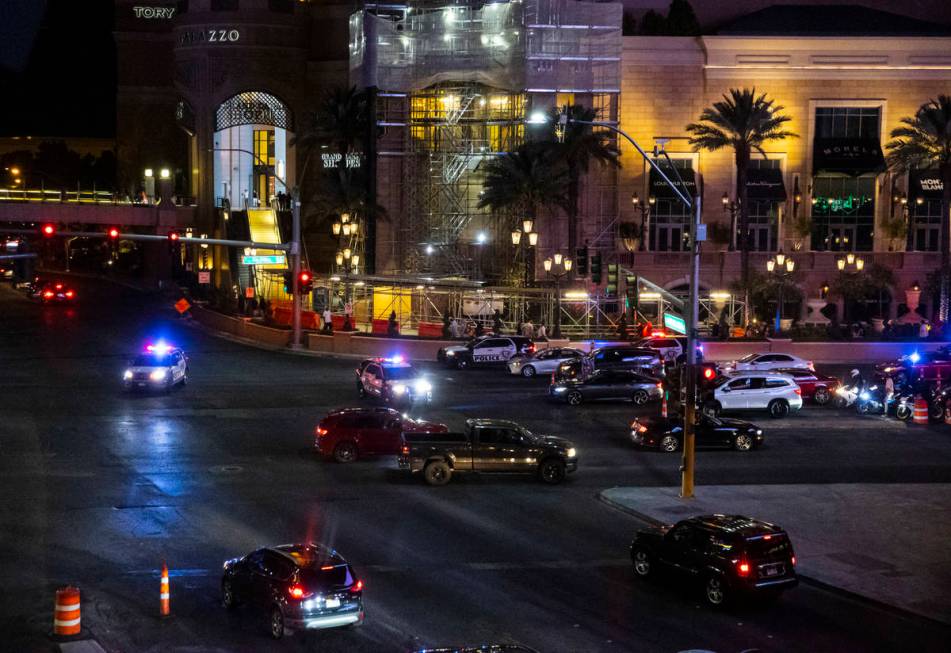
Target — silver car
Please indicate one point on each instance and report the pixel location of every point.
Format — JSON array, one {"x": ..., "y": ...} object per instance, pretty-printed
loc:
[{"x": 545, "y": 361}]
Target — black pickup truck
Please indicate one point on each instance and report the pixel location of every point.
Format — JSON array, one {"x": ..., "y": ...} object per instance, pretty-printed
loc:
[{"x": 487, "y": 445}]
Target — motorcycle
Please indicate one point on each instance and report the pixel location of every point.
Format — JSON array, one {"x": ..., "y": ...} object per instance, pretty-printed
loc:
[
  {"x": 845, "y": 396},
  {"x": 905, "y": 406},
  {"x": 870, "y": 401}
]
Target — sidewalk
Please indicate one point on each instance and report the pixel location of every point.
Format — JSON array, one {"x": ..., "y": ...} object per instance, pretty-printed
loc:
[{"x": 888, "y": 543}]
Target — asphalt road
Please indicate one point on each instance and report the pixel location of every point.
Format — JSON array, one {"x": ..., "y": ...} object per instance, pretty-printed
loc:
[{"x": 98, "y": 487}]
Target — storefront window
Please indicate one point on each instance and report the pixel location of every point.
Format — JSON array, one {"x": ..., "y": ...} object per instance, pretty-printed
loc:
[
  {"x": 924, "y": 222},
  {"x": 670, "y": 219},
  {"x": 847, "y": 122},
  {"x": 764, "y": 214},
  {"x": 843, "y": 213}
]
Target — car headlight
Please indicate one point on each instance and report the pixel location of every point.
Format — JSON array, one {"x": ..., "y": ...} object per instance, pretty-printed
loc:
[
  {"x": 423, "y": 386},
  {"x": 864, "y": 396},
  {"x": 840, "y": 391},
  {"x": 158, "y": 375},
  {"x": 572, "y": 452},
  {"x": 399, "y": 389},
  {"x": 127, "y": 375},
  {"x": 561, "y": 389},
  {"x": 450, "y": 353},
  {"x": 759, "y": 431}
]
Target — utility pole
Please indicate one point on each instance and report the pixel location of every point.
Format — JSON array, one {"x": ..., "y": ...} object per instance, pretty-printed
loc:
[{"x": 295, "y": 263}]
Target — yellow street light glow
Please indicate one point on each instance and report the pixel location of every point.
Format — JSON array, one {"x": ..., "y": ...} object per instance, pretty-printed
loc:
[
  {"x": 14, "y": 171},
  {"x": 547, "y": 264},
  {"x": 165, "y": 173},
  {"x": 568, "y": 263},
  {"x": 527, "y": 225},
  {"x": 335, "y": 228},
  {"x": 339, "y": 258},
  {"x": 353, "y": 228},
  {"x": 533, "y": 239},
  {"x": 576, "y": 294},
  {"x": 347, "y": 252},
  {"x": 516, "y": 237},
  {"x": 720, "y": 295},
  {"x": 558, "y": 258},
  {"x": 345, "y": 217},
  {"x": 148, "y": 173},
  {"x": 355, "y": 259},
  {"x": 850, "y": 258},
  {"x": 770, "y": 265}
]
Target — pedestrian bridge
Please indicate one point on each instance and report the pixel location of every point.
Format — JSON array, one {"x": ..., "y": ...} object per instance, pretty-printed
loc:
[{"x": 90, "y": 207}]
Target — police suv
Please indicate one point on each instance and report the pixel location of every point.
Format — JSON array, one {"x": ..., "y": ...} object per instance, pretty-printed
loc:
[
  {"x": 393, "y": 380},
  {"x": 161, "y": 366},
  {"x": 487, "y": 351}
]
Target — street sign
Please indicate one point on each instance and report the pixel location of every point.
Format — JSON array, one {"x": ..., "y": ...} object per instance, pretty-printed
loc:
[
  {"x": 182, "y": 305},
  {"x": 273, "y": 259},
  {"x": 675, "y": 323},
  {"x": 701, "y": 232},
  {"x": 204, "y": 276}
]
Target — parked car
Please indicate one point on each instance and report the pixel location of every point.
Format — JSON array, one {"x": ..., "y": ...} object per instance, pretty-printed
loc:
[
  {"x": 608, "y": 384},
  {"x": 542, "y": 362},
  {"x": 298, "y": 586},
  {"x": 819, "y": 388},
  {"x": 351, "y": 433},
  {"x": 766, "y": 361},
  {"x": 393, "y": 380},
  {"x": 666, "y": 433},
  {"x": 773, "y": 392},
  {"x": 727, "y": 555},
  {"x": 491, "y": 350},
  {"x": 487, "y": 445},
  {"x": 669, "y": 347}
]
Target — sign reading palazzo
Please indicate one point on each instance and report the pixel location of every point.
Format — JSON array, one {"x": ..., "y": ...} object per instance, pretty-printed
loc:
[{"x": 193, "y": 37}]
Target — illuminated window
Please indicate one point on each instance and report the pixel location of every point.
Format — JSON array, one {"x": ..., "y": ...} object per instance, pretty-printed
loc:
[
  {"x": 924, "y": 225},
  {"x": 563, "y": 99},
  {"x": 843, "y": 213},
  {"x": 847, "y": 122},
  {"x": 264, "y": 146},
  {"x": 670, "y": 219}
]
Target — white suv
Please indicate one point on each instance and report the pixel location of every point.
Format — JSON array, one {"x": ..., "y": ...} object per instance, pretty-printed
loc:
[{"x": 776, "y": 393}]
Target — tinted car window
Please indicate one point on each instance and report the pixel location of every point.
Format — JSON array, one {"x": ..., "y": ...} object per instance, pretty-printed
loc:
[
  {"x": 400, "y": 373},
  {"x": 277, "y": 565},
  {"x": 738, "y": 384},
  {"x": 314, "y": 578},
  {"x": 774, "y": 546},
  {"x": 511, "y": 437},
  {"x": 489, "y": 435},
  {"x": 782, "y": 358},
  {"x": 680, "y": 533},
  {"x": 373, "y": 370},
  {"x": 776, "y": 383},
  {"x": 756, "y": 383},
  {"x": 145, "y": 360},
  {"x": 256, "y": 562}
]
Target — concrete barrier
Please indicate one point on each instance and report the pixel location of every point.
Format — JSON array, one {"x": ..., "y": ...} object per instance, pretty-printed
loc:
[{"x": 242, "y": 328}]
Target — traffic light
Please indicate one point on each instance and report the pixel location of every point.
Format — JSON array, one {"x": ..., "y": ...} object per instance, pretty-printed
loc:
[
  {"x": 48, "y": 230},
  {"x": 113, "y": 233},
  {"x": 173, "y": 236},
  {"x": 596, "y": 268},
  {"x": 706, "y": 374},
  {"x": 288, "y": 282},
  {"x": 611, "y": 290},
  {"x": 581, "y": 256},
  {"x": 305, "y": 282}
]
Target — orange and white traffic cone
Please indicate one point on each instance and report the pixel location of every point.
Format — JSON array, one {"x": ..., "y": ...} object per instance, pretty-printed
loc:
[
  {"x": 66, "y": 618},
  {"x": 164, "y": 609}
]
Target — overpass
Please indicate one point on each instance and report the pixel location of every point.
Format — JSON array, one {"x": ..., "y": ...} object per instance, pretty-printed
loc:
[{"x": 90, "y": 207}]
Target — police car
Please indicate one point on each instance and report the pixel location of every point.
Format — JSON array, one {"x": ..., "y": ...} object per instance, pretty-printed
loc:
[
  {"x": 487, "y": 351},
  {"x": 160, "y": 366},
  {"x": 393, "y": 380}
]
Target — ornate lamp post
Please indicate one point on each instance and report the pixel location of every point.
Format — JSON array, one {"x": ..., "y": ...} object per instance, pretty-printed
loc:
[
  {"x": 645, "y": 210},
  {"x": 525, "y": 239},
  {"x": 780, "y": 267},
  {"x": 556, "y": 267}
]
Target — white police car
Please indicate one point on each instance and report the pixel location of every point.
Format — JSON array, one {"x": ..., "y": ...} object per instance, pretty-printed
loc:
[
  {"x": 488, "y": 351},
  {"x": 393, "y": 380},
  {"x": 160, "y": 366}
]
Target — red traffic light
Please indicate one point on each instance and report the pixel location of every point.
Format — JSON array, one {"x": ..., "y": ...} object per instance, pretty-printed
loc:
[
  {"x": 48, "y": 230},
  {"x": 173, "y": 235},
  {"x": 709, "y": 373},
  {"x": 113, "y": 233},
  {"x": 304, "y": 276}
]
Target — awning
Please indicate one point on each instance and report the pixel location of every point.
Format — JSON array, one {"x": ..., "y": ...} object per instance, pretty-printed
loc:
[
  {"x": 926, "y": 184},
  {"x": 850, "y": 156},
  {"x": 662, "y": 190},
  {"x": 765, "y": 184}
]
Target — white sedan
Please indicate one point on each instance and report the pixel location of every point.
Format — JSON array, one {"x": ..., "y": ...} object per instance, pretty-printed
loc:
[
  {"x": 542, "y": 362},
  {"x": 767, "y": 361}
]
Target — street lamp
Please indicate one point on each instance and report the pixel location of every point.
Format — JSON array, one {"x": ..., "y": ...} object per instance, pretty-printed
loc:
[
  {"x": 645, "y": 210},
  {"x": 732, "y": 207},
  {"x": 781, "y": 268},
  {"x": 557, "y": 267}
]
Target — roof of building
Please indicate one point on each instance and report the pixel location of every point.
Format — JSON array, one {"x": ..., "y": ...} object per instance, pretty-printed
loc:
[{"x": 830, "y": 20}]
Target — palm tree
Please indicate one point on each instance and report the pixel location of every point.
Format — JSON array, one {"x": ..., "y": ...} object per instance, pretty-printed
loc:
[
  {"x": 340, "y": 120},
  {"x": 743, "y": 121},
  {"x": 924, "y": 141},
  {"x": 580, "y": 147},
  {"x": 525, "y": 180}
]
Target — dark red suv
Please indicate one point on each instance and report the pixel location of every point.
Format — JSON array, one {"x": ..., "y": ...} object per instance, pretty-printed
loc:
[
  {"x": 350, "y": 433},
  {"x": 820, "y": 388}
]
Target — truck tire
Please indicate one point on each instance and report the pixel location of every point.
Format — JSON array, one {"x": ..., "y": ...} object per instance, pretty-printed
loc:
[
  {"x": 552, "y": 471},
  {"x": 437, "y": 473}
]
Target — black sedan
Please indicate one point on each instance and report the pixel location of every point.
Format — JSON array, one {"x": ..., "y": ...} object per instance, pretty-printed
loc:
[
  {"x": 298, "y": 586},
  {"x": 608, "y": 384},
  {"x": 666, "y": 433}
]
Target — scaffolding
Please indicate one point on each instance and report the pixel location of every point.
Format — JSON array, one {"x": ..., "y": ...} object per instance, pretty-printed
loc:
[{"x": 455, "y": 83}]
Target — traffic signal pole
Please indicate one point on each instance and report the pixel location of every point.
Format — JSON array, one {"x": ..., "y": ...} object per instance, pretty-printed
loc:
[{"x": 295, "y": 262}]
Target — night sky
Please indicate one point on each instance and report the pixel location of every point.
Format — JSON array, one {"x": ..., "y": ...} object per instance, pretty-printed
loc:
[{"x": 57, "y": 68}]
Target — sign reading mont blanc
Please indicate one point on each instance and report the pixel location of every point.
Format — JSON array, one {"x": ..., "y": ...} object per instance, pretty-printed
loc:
[
  {"x": 165, "y": 13},
  {"x": 192, "y": 37}
]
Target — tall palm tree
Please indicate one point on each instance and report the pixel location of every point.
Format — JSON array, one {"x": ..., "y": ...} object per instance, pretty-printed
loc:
[
  {"x": 924, "y": 141},
  {"x": 340, "y": 121},
  {"x": 580, "y": 147},
  {"x": 744, "y": 121},
  {"x": 526, "y": 180}
]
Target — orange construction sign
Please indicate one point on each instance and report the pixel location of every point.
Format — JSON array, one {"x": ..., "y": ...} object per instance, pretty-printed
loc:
[{"x": 182, "y": 305}]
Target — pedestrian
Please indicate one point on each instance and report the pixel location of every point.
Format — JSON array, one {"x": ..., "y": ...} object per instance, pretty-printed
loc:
[
  {"x": 541, "y": 333},
  {"x": 446, "y": 326},
  {"x": 328, "y": 321},
  {"x": 923, "y": 330},
  {"x": 622, "y": 326},
  {"x": 889, "y": 391},
  {"x": 528, "y": 329},
  {"x": 479, "y": 330},
  {"x": 497, "y": 323},
  {"x": 392, "y": 327}
]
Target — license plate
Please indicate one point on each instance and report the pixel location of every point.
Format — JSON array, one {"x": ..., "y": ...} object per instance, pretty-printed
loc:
[
  {"x": 773, "y": 571},
  {"x": 332, "y": 603},
  {"x": 141, "y": 384}
]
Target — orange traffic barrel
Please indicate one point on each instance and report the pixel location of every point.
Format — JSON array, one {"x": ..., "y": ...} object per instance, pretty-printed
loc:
[
  {"x": 66, "y": 620},
  {"x": 164, "y": 609},
  {"x": 921, "y": 411}
]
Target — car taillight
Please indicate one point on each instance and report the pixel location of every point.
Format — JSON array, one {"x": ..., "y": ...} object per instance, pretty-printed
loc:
[
  {"x": 320, "y": 431},
  {"x": 48, "y": 294},
  {"x": 743, "y": 568},
  {"x": 405, "y": 450},
  {"x": 792, "y": 561},
  {"x": 530, "y": 349},
  {"x": 660, "y": 386},
  {"x": 297, "y": 591},
  {"x": 59, "y": 286},
  {"x": 69, "y": 293},
  {"x": 797, "y": 390},
  {"x": 357, "y": 587}
]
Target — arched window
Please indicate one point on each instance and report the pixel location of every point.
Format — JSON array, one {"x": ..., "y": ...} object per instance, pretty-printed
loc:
[{"x": 253, "y": 108}]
